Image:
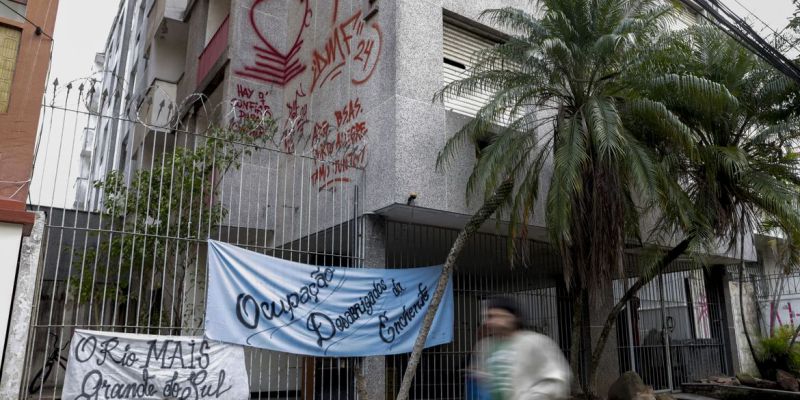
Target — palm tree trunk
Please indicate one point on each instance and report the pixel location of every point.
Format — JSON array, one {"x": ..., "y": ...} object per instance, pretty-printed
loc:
[
  {"x": 483, "y": 214},
  {"x": 577, "y": 338},
  {"x": 794, "y": 337},
  {"x": 741, "y": 313},
  {"x": 668, "y": 258}
]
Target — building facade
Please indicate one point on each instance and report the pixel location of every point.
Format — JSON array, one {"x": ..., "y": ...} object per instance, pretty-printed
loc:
[{"x": 346, "y": 177}]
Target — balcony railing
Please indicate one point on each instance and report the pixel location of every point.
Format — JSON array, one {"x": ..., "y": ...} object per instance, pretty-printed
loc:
[{"x": 214, "y": 49}]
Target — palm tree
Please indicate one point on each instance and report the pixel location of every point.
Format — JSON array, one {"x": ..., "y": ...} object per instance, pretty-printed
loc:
[
  {"x": 626, "y": 131},
  {"x": 744, "y": 174},
  {"x": 560, "y": 85}
]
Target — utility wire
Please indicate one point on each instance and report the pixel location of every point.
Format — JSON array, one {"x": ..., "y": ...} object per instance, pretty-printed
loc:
[
  {"x": 39, "y": 29},
  {"x": 776, "y": 35},
  {"x": 745, "y": 34}
]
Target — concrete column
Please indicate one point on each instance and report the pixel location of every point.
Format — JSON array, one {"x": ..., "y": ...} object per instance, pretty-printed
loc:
[
  {"x": 729, "y": 328},
  {"x": 193, "y": 300},
  {"x": 374, "y": 368},
  {"x": 743, "y": 360},
  {"x": 21, "y": 309}
]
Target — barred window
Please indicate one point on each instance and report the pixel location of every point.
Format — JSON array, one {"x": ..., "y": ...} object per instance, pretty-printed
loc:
[{"x": 9, "y": 47}]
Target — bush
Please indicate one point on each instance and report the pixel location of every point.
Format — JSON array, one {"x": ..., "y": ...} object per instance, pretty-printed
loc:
[{"x": 774, "y": 353}]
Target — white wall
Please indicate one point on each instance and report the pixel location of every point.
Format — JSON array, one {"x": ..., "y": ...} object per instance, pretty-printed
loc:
[{"x": 10, "y": 239}]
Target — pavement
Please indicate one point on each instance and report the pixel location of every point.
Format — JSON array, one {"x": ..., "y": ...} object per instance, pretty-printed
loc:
[{"x": 689, "y": 396}]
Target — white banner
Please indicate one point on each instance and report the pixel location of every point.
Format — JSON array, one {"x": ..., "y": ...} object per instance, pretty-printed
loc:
[
  {"x": 108, "y": 365},
  {"x": 261, "y": 301}
]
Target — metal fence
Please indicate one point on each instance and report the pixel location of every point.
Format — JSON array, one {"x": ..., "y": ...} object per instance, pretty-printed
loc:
[
  {"x": 673, "y": 330},
  {"x": 777, "y": 296},
  {"x": 132, "y": 190},
  {"x": 483, "y": 271}
]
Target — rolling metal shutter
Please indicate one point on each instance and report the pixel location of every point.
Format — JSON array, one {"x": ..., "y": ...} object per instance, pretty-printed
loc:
[{"x": 459, "y": 47}]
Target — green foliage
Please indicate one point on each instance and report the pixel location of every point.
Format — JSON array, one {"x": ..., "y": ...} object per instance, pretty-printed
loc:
[
  {"x": 742, "y": 174},
  {"x": 154, "y": 220},
  {"x": 621, "y": 121},
  {"x": 778, "y": 352},
  {"x": 563, "y": 88}
]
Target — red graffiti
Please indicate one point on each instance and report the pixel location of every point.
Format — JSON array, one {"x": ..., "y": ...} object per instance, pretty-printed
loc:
[
  {"x": 775, "y": 315},
  {"x": 247, "y": 106},
  {"x": 294, "y": 126},
  {"x": 365, "y": 53},
  {"x": 349, "y": 42},
  {"x": 335, "y": 11},
  {"x": 273, "y": 66},
  {"x": 341, "y": 150},
  {"x": 327, "y": 172},
  {"x": 348, "y": 113}
]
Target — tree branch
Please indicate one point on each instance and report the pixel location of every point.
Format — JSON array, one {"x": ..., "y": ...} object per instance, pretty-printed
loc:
[{"x": 483, "y": 214}]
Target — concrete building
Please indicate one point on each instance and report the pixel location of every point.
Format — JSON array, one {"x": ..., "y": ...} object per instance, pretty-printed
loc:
[
  {"x": 25, "y": 44},
  {"x": 352, "y": 177}
]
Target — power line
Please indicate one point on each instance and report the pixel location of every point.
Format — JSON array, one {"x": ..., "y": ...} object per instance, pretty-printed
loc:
[
  {"x": 745, "y": 34},
  {"x": 39, "y": 30},
  {"x": 775, "y": 34}
]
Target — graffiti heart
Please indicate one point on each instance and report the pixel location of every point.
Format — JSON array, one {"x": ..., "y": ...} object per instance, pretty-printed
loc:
[
  {"x": 351, "y": 42},
  {"x": 272, "y": 65}
]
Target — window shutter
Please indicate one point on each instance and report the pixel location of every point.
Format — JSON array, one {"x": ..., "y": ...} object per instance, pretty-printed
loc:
[{"x": 459, "y": 47}]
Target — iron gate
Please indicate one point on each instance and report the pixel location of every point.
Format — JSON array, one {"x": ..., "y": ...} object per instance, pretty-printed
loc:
[
  {"x": 483, "y": 271},
  {"x": 673, "y": 331}
]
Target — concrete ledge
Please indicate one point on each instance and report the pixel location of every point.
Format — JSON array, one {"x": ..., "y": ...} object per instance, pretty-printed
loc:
[{"x": 727, "y": 392}]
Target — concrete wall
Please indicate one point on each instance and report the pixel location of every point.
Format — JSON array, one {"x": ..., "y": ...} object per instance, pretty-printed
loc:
[
  {"x": 167, "y": 54},
  {"x": 20, "y": 314},
  {"x": 309, "y": 64},
  {"x": 196, "y": 21},
  {"x": 422, "y": 127}
]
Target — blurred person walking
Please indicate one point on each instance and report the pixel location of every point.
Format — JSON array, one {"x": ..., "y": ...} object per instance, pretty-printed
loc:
[{"x": 516, "y": 364}]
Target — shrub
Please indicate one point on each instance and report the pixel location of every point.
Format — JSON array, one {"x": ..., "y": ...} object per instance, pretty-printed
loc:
[{"x": 774, "y": 353}]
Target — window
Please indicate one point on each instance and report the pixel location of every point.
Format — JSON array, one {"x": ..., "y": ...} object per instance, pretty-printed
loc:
[
  {"x": 459, "y": 46},
  {"x": 9, "y": 46}
]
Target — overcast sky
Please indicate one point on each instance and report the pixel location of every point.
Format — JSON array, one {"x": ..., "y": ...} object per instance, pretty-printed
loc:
[{"x": 81, "y": 30}]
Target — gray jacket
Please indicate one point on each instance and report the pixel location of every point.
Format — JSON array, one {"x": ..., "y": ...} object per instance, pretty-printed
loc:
[{"x": 540, "y": 371}]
